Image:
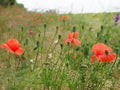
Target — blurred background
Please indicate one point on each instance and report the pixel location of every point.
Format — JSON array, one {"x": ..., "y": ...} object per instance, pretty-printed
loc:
[{"x": 72, "y": 6}]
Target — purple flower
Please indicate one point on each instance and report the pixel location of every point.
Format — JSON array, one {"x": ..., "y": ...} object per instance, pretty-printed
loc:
[{"x": 117, "y": 18}]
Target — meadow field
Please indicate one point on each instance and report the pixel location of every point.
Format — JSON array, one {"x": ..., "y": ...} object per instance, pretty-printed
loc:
[{"x": 50, "y": 51}]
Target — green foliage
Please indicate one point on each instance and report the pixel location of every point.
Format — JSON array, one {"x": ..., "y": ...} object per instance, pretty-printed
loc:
[{"x": 6, "y": 3}]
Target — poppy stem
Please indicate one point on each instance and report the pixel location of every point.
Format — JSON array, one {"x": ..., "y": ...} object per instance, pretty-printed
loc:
[
  {"x": 114, "y": 64},
  {"x": 36, "y": 58},
  {"x": 42, "y": 42},
  {"x": 51, "y": 44}
]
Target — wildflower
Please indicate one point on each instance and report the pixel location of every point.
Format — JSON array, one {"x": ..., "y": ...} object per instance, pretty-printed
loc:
[
  {"x": 56, "y": 41},
  {"x": 30, "y": 32},
  {"x": 31, "y": 60},
  {"x": 40, "y": 14},
  {"x": 103, "y": 53},
  {"x": 63, "y": 18},
  {"x": 72, "y": 38},
  {"x": 116, "y": 19},
  {"x": 31, "y": 64},
  {"x": 13, "y": 46},
  {"x": 50, "y": 55}
]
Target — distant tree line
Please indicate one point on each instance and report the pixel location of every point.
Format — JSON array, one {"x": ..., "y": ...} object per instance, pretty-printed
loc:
[{"x": 6, "y": 3}]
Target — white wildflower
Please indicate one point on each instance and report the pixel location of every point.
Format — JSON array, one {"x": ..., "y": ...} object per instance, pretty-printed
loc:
[
  {"x": 56, "y": 41},
  {"x": 31, "y": 60},
  {"x": 50, "y": 55}
]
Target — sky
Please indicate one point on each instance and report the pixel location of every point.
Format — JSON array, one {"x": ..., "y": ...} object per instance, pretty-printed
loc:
[{"x": 72, "y": 6}]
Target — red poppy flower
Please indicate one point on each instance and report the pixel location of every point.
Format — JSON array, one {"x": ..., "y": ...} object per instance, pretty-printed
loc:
[
  {"x": 40, "y": 14},
  {"x": 13, "y": 46},
  {"x": 72, "y": 38},
  {"x": 103, "y": 53},
  {"x": 63, "y": 18}
]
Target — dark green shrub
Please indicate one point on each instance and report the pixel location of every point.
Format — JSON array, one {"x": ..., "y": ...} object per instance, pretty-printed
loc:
[{"x": 6, "y": 3}]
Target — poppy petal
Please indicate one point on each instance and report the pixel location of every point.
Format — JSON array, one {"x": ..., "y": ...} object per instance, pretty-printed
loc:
[
  {"x": 10, "y": 50},
  {"x": 67, "y": 40},
  {"x": 102, "y": 58},
  {"x": 19, "y": 51},
  {"x": 100, "y": 48},
  {"x": 76, "y": 34},
  {"x": 70, "y": 35},
  {"x": 111, "y": 57},
  {"x": 4, "y": 46},
  {"x": 75, "y": 42}
]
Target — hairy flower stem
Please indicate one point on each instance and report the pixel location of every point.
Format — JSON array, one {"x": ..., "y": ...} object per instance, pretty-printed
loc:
[
  {"x": 22, "y": 33},
  {"x": 57, "y": 68},
  {"x": 51, "y": 44},
  {"x": 64, "y": 24},
  {"x": 42, "y": 42},
  {"x": 36, "y": 58},
  {"x": 58, "y": 58}
]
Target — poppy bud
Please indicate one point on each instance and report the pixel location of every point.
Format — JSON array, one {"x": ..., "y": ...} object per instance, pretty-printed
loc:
[
  {"x": 77, "y": 48},
  {"x": 39, "y": 35},
  {"x": 105, "y": 41},
  {"x": 68, "y": 43},
  {"x": 45, "y": 26},
  {"x": 26, "y": 42},
  {"x": 119, "y": 41},
  {"x": 86, "y": 51},
  {"x": 67, "y": 64},
  {"x": 57, "y": 27},
  {"x": 38, "y": 43},
  {"x": 102, "y": 27},
  {"x": 35, "y": 48},
  {"x": 98, "y": 34},
  {"x": 59, "y": 36},
  {"x": 22, "y": 29},
  {"x": 82, "y": 27},
  {"x": 74, "y": 29},
  {"x": 61, "y": 45}
]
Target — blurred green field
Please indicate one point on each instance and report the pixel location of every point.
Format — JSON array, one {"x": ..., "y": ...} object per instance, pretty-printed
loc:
[{"x": 57, "y": 73}]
